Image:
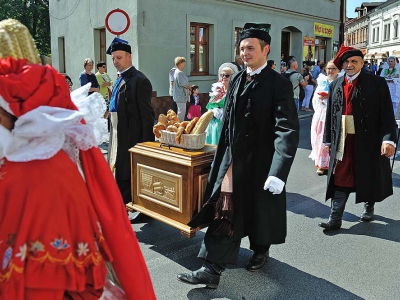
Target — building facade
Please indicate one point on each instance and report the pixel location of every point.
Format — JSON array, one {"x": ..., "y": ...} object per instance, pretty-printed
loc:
[
  {"x": 205, "y": 32},
  {"x": 384, "y": 33},
  {"x": 356, "y": 30}
]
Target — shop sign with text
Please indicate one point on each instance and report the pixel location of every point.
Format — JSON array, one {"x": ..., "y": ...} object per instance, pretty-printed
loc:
[{"x": 323, "y": 30}]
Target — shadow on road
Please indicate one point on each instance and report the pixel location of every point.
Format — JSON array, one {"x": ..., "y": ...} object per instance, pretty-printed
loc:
[
  {"x": 311, "y": 208},
  {"x": 277, "y": 280},
  {"x": 380, "y": 227}
]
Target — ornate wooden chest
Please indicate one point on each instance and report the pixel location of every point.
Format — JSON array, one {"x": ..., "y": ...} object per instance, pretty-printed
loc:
[{"x": 168, "y": 183}]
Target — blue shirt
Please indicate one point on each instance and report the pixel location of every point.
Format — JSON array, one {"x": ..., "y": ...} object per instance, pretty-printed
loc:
[
  {"x": 316, "y": 72},
  {"x": 85, "y": 78},
  {"x": 113, "y": 100}
]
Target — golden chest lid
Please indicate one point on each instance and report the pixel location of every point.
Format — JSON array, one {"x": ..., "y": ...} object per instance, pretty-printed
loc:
[{"x": 175, "y": 155}]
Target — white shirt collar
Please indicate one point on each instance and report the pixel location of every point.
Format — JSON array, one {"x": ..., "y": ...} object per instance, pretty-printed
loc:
[
  {"x": 353, "y": 77},
  {"x": 257, "y": 71},
  {"x": 122, "y": 72}
]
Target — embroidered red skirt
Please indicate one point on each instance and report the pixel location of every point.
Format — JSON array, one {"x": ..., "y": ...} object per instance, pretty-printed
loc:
[{"x": 50, "y": 236}]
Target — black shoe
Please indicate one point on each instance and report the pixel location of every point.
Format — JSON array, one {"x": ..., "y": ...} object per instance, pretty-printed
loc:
[
  {"x": 257, "y": 261},
  {"x": 201, "y": 276},
  {"x": 368, "y": 213},
  {"x": 330, "y": 225}
]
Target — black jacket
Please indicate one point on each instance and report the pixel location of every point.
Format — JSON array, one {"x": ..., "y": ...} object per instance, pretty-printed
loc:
[
  {"x": 260, "y": 134},
  {"x": 135, "y": 118},
  {"x": 374, "y": 123}
]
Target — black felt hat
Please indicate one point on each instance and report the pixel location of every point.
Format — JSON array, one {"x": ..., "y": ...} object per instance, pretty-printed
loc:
[
  {"x": 254, "y": 30},
  {"x": 118, "y": 44}
]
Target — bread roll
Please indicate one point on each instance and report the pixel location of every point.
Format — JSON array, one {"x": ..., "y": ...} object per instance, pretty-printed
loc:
[
  {"x": 157, "y": 129},
  {"x": 179, "y": 134},
  {"x": 190, "y": 126},
  {"x": 172, "y": 128},
  {"x": 203, "y": 122},
  {"x": 163, "y": 119}
]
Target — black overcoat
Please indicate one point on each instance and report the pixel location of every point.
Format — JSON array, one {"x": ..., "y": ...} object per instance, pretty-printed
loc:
[
  {"x": 135, "y": 118},
  {"x": 374, "y": 123},
  {"x": 260, "y": 134}
]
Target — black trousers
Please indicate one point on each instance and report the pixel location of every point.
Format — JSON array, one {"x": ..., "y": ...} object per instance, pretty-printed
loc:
[
  {"x": 125, "y": 189},
  {"x": 174, "y": 106},
  {"x": 223, "y": 250}
]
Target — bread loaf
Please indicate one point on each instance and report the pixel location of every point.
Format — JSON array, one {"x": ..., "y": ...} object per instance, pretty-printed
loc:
[
  {"x": 190, "y": 126},
  {"x": 203, "y": 122}
]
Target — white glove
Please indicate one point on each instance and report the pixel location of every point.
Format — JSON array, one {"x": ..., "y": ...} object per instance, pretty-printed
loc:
[
  {"x": 274, "y": 185},
  {"x": 218, "y": 113}
]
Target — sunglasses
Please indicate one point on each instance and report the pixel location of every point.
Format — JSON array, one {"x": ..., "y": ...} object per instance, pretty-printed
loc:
[
  {"x": 225, "y": 75},
  {"x": 103, "y": 66}
]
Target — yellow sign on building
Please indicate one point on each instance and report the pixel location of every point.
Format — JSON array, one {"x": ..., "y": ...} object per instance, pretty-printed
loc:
[{"x": 323, "y": 30}]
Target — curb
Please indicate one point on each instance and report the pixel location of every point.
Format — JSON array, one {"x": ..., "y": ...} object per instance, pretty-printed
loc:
[{"x": 306, "y": 116}]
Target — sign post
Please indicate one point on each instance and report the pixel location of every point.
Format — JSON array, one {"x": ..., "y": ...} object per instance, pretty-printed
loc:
[{"x": 117, "y": 22}]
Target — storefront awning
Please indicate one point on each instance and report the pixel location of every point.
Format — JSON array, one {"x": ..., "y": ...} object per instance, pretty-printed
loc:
[
  {"x": 396, "y": 53},
  {"x": 369, "y": 56},
  {"x": 381, "y": 55}
]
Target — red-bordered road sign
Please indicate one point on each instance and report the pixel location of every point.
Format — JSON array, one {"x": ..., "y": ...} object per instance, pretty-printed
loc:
[{"x": 117, "y": 21}]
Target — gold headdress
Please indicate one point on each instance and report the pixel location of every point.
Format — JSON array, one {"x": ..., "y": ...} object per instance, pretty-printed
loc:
[{"x": 16, "y": 41}]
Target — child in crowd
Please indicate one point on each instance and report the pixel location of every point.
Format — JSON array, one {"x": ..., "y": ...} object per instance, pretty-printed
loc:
[{"x": 195, "y": 108}]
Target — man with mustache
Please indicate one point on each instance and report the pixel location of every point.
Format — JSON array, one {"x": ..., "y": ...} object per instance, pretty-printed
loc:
[{"x": 360, "y": 135}]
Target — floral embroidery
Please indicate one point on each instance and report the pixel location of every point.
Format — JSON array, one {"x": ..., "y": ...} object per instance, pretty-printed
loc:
[
  {"x": 7, "y": 257},
  {"x": 60, "y": 244},
  {"x": 82, "y": 249},
  {"x": 36, "y": 247},
  {"x": 22, "y": 252}
]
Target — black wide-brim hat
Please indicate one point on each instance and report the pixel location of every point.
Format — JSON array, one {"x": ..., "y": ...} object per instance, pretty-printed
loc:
[{"x": 258, "y": 31}]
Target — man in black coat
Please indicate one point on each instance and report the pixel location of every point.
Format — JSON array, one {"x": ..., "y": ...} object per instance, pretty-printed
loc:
[
  {"x": 360, "y": 134},
  {"x": 131, "y": 100},
  {"x": 245, "y": 193}
]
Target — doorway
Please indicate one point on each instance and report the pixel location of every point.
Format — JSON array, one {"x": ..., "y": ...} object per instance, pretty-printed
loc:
[
  {"x": 320, "y": 48},
  {"x": 285, "y": 44}
]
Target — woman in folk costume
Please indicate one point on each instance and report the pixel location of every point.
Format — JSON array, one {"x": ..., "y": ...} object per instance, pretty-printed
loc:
[
  {"x": 217, "y": 102},
  {"x": 58, "y": 223},
  {"x": 319, "y": 101},
  {"x": 391, "y": 72}
]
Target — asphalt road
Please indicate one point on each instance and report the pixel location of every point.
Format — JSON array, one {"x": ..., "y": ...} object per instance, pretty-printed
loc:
[{"x": 361, "y": 261}]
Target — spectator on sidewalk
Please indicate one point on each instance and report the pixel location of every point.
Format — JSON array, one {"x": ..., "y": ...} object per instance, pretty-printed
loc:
[
  {"x": 88, "y": 76},
  {"x": 297, "y": 80},
  {"x": 181, "y": 89}
]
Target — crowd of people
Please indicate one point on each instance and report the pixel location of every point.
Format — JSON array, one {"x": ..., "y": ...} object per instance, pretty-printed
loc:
[{"x": 58, "y": 253}]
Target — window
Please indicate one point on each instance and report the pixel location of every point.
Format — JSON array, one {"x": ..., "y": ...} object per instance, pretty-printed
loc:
[
  {"x": 103, "y": 49},
  {"x": 375, "y": 35},
  {"x": 386, "y": 32},
  {"x": 236, "y": 51},
  {"x": 396, "y": 29},
  {"x": 199, "y": 51},
  {"x": 61, "y": 54}
]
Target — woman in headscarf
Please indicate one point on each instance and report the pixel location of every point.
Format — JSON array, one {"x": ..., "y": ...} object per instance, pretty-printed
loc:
[
  {"x": 217, "y": 102},
  {"x": 62, "y": 215}
]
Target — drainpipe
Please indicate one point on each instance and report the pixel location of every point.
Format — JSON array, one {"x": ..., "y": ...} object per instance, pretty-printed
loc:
[{"x": 342, "y": 21}]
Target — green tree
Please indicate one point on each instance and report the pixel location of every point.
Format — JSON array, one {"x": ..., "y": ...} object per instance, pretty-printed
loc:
[{"x": 34, "y": 14}]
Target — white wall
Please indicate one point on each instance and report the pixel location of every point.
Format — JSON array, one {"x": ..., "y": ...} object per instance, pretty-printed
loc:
[{"x": 159, "y": 31}]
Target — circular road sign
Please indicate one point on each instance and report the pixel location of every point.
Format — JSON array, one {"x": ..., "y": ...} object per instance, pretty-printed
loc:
[{"x": 117, "y": 21}]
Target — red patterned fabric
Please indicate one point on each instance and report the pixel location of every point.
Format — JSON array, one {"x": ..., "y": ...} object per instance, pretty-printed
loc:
[
  {"x": 345, "y": 169},
  {"x": 50, "y": 234},
  {"x": 64, "y": 216},
  {"x": 26, "y": 87}
]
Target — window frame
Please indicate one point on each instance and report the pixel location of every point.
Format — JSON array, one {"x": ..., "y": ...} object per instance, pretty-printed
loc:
[
  {"x": 197, "y": 43},
  {"x": 237, "y": 38},
  {"x": 386, "y": 32}
]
